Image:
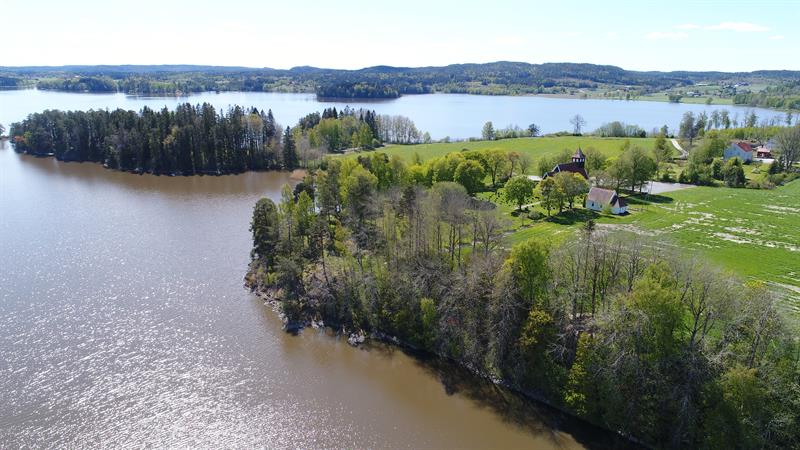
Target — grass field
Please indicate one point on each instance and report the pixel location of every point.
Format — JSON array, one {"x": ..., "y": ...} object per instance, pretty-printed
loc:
[
  {"x": 664, "y": 97},
  {"x": 753, "y": 233},
  {"x": 535, "y": 147}
]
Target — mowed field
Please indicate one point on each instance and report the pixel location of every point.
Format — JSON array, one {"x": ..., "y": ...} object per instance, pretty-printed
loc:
[
  {"x": 755, "y": 234},
  {"x": 536, "y": 148}
]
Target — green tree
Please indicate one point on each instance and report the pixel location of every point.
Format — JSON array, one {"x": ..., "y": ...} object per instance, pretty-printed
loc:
[
  {"x": 357, "y": 190},
  {"x": 636, "y": 166},
  {"x": 444, "y": 168},
  {"x": 530, "y": 271},
  {"x": 265, "y": 228},
  {"x": 595, "y": 160},
  {"x": 688, "y": 130},
  {"x": 571, "y": 186},
  {"x": 733, "y": 173},
  {"x": 662, "y": 152},
  {"x": 304, "y": 213},
  {"x": 487, "y": 133},
  {"x": 289, "y": 150},
  {"x": 547, "y": 192},
  {"x": 365, "y": 137},
  {"x": 469, "y": 174},
  {"x": 496, "y": 161},
  {"x": 518, "y": 190},
  {"x": 427, "y": 308}
]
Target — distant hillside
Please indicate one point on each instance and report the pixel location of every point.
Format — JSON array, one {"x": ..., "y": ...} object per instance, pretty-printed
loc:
[{"x": 499, "y": 78}]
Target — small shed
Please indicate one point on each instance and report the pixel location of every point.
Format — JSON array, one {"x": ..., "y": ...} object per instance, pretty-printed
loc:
[
  {"x": 598, "y": 199},
  {"x": 763, "y": 152}
]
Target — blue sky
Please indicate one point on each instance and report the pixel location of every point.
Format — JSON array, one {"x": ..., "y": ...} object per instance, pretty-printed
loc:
[{"x": 640, "y": 35}]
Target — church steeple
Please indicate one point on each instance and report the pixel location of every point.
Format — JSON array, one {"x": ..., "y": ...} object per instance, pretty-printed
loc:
[{"x": 579, "y": 158}]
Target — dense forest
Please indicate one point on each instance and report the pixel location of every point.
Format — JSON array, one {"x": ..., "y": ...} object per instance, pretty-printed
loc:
[
  {"x": 508, "y": 78},
  {"x": 616, "y": 329},
  {"x": 200, "y": 140},
  {"x": 357, "y": 90}
]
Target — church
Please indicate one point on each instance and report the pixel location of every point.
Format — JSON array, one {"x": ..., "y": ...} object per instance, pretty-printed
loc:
[{"x": 576, "y": 166}]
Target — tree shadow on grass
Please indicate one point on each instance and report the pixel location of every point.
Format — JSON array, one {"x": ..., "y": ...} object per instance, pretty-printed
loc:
[
  {"x": 571, "y": 217},
  {"x": 641, "y": 199}
]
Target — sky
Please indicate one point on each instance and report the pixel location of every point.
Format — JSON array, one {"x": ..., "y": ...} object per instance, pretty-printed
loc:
[{"x": 350, "y": 34}]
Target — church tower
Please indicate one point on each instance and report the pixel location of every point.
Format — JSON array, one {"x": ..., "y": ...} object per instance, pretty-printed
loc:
[{"x": 579, "y": 158}]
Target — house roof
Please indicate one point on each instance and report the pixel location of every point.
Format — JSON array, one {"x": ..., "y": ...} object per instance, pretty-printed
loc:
[
  {"x": 579, "y": 154},
  {"x": 745, "y": 146},
  {"x": 568, "y": 167},
  {"x": 602, "y": 196}
]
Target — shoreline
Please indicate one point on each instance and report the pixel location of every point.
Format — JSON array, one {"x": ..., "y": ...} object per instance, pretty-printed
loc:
[
  {"x": 186, "y": 95},
  {"x": 295, "y": 174},
  {"x": 269, "y": 296}
]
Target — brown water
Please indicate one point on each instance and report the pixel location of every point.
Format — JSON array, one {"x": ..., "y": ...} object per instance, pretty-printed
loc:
[{"x": 123, "y": 322}]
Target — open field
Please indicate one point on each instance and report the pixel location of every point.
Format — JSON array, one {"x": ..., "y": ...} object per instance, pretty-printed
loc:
[
  {"x": 664, "y": 97},
  {"x": 753, "y": 233},
  {"x": 535, "y": 147}
]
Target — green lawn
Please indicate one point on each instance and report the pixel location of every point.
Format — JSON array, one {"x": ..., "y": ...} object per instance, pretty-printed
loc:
[
  {"x": 535, "y": 147},
  {"x": 664, "y": 97},
  {"x": 753, "y": 233}
]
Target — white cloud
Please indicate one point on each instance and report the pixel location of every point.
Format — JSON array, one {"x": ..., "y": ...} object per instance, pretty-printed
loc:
[
  {"x": 688, "y": 26},
  {"x": 777, "y": 37},
  {"x": 612, "y": 34},
  {"x": 667, "y": 35},
  {"x": 739, "y": 27}
]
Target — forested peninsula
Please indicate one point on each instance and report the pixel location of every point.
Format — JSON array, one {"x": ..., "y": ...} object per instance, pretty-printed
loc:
[
  {"x": 618, "y": 329},
  {"x": 198, "y": 139}
]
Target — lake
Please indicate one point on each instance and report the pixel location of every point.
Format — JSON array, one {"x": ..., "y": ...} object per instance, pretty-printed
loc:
[
  {"x": 124, "y": 322},
  {"x": 458, "y": 116}
]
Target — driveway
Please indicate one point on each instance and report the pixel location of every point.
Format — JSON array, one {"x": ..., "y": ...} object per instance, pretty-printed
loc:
[{"x": 684, "y": 153}]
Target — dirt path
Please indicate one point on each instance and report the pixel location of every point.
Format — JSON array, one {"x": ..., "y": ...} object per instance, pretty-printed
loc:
[{"x": 684, "y": 153}]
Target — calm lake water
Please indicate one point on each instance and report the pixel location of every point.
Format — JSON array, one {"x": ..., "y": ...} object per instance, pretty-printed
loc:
[
  {"x": 454, "y": 115},
  {"x": 123, "y": 322}
]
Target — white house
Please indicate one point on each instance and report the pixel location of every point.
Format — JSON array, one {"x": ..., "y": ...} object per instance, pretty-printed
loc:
[
  {"x": 739, "y": 149},
  {"x": 599, "y": 199}
]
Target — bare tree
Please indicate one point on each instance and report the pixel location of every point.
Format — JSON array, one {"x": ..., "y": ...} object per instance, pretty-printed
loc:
[
  {"x": 578, "y": 123},
  {"x": 788, "y": 146}
]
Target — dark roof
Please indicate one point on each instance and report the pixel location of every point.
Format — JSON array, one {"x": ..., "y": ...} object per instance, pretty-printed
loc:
[
  {"x": 621, "y": 203},
  {"x": 579, "y": 154},
  {"x": 745, "y": 146},
  {"x": 568, "y": 167}
]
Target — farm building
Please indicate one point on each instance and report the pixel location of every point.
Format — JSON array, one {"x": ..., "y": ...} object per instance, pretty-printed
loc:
[
  {"x": 598, "y": 199},
  {"x": 739, "y": 149},
  {"x": 576, "y": 166},
  {"x": 763, "y": 152}
]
